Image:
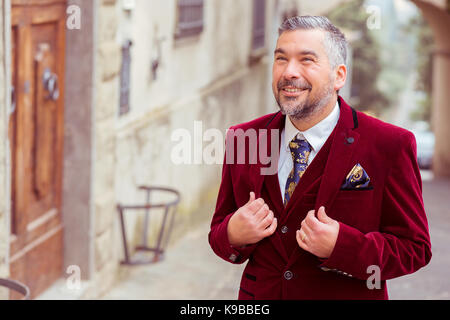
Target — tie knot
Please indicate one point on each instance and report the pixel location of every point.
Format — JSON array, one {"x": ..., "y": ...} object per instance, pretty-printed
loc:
[
  {"x": 300, "y": 150},
  {"x": 299, "y": 145}
]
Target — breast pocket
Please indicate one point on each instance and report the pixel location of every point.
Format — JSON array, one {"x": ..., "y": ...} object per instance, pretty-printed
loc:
[{"x": 355, "y": 208}]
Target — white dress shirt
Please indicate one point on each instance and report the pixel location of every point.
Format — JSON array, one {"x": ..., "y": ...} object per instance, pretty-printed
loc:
[{"x": 316, "y": 137}]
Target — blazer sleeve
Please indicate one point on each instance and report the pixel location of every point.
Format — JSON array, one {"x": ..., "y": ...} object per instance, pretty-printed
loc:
[
  {"x": 225, "y": 207},
  {"x": 402, "y": 245}
]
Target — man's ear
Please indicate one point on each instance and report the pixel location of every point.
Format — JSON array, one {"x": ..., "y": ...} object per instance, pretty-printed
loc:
[{"x": 341, "y": 77}]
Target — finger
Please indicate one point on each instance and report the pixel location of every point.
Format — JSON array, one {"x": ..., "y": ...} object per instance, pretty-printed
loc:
[
  {"x": 262, "y": 213},
  {"x": 252, "y": 198},
  {"x": 306, "y": 231},
  {"x": 303, "y": 236},
  {"x": 311, "y": 221},
  {"x": 267, "y": 221},
  {"x": 271, "y": 229},
  {"x": 322, "y": 216},
  {"x": 310, "y": 212},
  {"x": 300, "y": 242},
  {"x": 304, "y": 223},
  {"x": 256, "y": 205}
]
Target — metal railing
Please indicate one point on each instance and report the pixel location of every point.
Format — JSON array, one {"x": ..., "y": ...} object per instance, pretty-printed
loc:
[
  {"x": 16, "y": 286},
  {"x": 163, "y": 234}
]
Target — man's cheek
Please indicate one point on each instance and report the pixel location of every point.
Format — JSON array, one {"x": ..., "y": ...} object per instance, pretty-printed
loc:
[{"x": 275, "y": 89}]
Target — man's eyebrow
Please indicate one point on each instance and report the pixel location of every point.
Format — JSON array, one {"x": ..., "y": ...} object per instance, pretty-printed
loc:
[
  {"x": 302, "y": 53},
  {"x": 308, "y": 53}
]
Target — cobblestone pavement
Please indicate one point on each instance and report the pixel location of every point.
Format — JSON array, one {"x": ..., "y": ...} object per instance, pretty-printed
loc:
[{"x": 191, "y": 271}]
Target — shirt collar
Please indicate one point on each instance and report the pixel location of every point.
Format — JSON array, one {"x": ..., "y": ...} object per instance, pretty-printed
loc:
[{"x": 316, "y": 135}]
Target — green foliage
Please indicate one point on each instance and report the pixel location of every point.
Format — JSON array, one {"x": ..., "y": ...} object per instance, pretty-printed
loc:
[
  {"x": 367, "y": 64},
  {"x": 423, "y": 112},
  {"x": 424, "y": 48}
]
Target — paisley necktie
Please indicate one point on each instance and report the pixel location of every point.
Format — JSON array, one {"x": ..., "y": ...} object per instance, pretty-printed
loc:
[{"x": 300, "y": 150}]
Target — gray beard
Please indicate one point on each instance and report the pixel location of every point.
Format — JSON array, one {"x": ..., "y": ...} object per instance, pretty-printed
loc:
[{"x": 307, "y": 109}]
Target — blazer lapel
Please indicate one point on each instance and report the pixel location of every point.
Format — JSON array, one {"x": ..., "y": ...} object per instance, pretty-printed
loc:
[
  {"x": 344, "y": 144},
  {"x": 273, "y": 131}
]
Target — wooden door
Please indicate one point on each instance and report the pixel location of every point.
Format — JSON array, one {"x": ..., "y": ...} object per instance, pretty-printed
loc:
[{"x": 36, "y": 136}]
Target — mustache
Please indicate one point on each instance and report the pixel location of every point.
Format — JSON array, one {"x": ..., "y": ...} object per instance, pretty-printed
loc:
[{"x": 300, "y": 84}]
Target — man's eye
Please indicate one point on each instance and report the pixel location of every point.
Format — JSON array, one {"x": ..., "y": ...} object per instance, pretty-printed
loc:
[
  {"x": 281, "y": 58},
  {"x": 307, "y": 59}
]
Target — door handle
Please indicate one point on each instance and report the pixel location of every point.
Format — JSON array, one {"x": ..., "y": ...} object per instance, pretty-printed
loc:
[
  {"x": 13, "y": 99},
  {"x": 50, "y": 81}
]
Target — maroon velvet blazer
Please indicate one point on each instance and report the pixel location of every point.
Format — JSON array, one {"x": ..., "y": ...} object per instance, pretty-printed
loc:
[{"x": 384, "y": 225}]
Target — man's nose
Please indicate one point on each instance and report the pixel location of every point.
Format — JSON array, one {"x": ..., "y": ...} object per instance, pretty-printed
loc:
[{"x": 292, "y": 71}]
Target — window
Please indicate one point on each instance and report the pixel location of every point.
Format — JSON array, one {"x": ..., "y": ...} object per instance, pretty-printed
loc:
[
  {"x": 259, "y": 24},
  {"x": 190, "y": 18},
  {"x": 125, "y": 78}
]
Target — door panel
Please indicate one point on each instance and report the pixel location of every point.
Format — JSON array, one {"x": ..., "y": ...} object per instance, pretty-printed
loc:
[{"x": 36, "y": 134}]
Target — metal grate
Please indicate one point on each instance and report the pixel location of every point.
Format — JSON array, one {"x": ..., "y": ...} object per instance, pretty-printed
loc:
[
  {"x": 259, "y": 24},
  {"x": 190, "y": 18},
  {"x": 170, "y": 208}
]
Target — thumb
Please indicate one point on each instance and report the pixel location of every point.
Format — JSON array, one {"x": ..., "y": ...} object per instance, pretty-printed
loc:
[
  {"x": 322, "y": 216},
  {"x": 252, "y": 198}
]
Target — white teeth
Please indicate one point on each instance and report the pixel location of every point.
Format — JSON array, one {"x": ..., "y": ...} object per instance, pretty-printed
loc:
[{"x": 292, "y": 90}]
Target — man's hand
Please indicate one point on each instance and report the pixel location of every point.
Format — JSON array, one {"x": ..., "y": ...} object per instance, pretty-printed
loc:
[
  {"x": 251, "y": 223},
  {"x": 318, "y": 235}
]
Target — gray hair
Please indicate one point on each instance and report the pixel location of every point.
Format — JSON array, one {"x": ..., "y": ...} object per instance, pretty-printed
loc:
[{"x": 335, "y": 42}]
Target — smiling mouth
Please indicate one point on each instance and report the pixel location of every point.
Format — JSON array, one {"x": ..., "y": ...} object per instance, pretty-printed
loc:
[{"x": 292, "y": 91}]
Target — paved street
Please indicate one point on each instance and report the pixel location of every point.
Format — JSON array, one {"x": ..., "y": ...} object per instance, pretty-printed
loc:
[
  {"x": 191, "y": 270},
  {"x": 433, "y": 281}
]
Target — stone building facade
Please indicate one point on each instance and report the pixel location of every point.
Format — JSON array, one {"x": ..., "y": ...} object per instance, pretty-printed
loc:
[
  {"x": 120, "y": 115},
  {"x": 216, "y": 76}
]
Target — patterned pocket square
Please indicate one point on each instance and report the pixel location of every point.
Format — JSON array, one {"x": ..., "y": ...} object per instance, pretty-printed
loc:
[{"x": 357, "y": 178}]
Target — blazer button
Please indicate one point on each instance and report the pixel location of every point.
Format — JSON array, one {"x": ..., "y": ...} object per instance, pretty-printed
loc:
[
  {"x": 288, "y": 275},
  {"x": 284, "y": 229}
]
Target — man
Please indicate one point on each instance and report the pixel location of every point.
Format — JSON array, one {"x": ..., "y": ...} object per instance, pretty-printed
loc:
[{"x": 344, "y": 211}]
